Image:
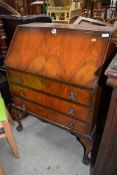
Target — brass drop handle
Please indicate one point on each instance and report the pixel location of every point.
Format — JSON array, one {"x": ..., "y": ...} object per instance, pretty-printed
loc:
[
  {"x": 19, "y": 80},
  {"x": 71, "y": 125},
  {"x": 22, "y": 93},
  {"x": 71, "y": 111},
  {"x": 72, "y": 95}
]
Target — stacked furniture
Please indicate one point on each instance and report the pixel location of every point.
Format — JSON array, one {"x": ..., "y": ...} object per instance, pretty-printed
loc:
[
  {"x": 63, "y": 10},
  {"x": 7, "y": 9},
  {"x": 9, "y": 20},
  {"x": 89, "y": 21},
  {"x": 56, "y": 73},
  {"x": 37, "y": 7},
  {"x": 4, "y": 9}
]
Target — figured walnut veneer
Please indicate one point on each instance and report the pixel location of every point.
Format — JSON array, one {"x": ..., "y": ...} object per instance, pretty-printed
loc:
[
  {"x": 76, "y": 53},
  {"x": 54, "y": 73}
]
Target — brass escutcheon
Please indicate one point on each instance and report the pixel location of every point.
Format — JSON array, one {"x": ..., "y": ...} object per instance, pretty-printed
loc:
[
  {"x": 19, "y": 80},
  {"x": 22, "y": 94},
  {"x": 71, "y": 125},
  {"x": 72, "y": 95},
  {"x": 71, "y": 111}
]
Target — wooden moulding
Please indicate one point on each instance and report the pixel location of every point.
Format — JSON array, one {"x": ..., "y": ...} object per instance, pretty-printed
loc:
[{"x": 111, "y": 72}]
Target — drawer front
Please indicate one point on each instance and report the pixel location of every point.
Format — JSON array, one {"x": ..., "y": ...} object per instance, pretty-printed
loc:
[
  {"x": 53, "y": 117},
  {"x": 56, "y": 88},
  {"x": 76, "y": 111}
]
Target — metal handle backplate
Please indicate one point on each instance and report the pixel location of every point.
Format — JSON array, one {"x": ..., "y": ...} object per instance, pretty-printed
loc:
[
  {"x": 19, "y": 80},
  {"x": 71, "y": 125},
  {"x": 23, "y": 106},
  {"x": 71, "y": 111},
  {"x": 72, "y": 95},
  {"x": 22, "y": 93}
]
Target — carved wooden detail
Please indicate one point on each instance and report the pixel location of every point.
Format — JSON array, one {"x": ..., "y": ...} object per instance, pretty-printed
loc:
[
  {"x": 3, "y": 44},
  {"x": 9, "y": 8}
]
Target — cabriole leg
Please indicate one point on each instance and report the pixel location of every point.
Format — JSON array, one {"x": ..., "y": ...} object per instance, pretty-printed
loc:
[
  {"x": 88, "y": 145},
  {"x": 18, "y": 115}
]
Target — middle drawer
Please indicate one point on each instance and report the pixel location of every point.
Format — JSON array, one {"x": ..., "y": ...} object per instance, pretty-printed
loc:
[
  {"x": 55, "y": 88},
  {"x": 76, "y": 111}
]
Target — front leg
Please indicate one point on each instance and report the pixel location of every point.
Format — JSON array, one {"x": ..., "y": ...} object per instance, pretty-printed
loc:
[
  {"x": 88, "y": 146},
  {"x": 18, "y": 115}
]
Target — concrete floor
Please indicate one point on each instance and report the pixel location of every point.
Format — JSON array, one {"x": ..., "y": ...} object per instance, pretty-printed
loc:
[{"x": 44, "y": 150}]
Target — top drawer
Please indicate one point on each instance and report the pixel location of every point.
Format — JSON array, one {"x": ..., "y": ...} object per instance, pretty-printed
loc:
[{"x": 53, "y": 87}]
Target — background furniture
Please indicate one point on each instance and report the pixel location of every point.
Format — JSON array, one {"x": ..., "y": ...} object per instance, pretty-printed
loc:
[
  {"x": 85, "y": 13},
  {"x": 11, "y": 22},
  {"x": 98, "y": 18},
  {"x": 112, "y": 21},
  {"x": 9, "y": 19},
  {"x": 63, "y": 11},
  {"x": 38, "y": 7},
  {"x": 106, "y": 163},
  {"x": 4, "y": 124},
  {"x": 7, "y": 9},
  {"x": 3, "y": 44},
  {"x": 115, "y": 23},
  {"x": 50, "y": 79},
  {"x": 8, "y": 24},
  {"x": 89, "y": 22},
  {"x": 4, "y": 88}
]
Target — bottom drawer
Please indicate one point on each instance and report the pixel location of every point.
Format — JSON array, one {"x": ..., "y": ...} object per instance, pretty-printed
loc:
[{"x": 53, "y": 117}]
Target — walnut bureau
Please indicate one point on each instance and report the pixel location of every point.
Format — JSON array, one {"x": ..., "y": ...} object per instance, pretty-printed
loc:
[{"x": 55, "y": 73}]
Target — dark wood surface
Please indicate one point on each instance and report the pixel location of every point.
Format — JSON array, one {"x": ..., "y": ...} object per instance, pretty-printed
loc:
[
  {"x": 46, "y": 62},
  {"x": 106, "y": 163},
  {"x": 3, "y": 44},
  {"x": 7, "y": 8}
]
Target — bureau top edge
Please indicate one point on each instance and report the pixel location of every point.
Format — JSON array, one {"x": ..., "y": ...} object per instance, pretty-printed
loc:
[{"x": 94, "y": 28}]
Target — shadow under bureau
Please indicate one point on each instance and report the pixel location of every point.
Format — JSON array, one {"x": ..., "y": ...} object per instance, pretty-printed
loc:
[{"x": 55, "y": 73}]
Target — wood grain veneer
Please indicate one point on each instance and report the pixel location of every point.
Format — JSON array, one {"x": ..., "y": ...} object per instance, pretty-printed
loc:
[{"x": 56, "y": 72}]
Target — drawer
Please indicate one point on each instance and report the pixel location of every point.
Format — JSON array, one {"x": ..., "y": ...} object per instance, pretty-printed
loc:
[
  {"x": 53, "y": 117},
  {"x": 56, "y": 88},
  {"x": 71, "y": 109}
]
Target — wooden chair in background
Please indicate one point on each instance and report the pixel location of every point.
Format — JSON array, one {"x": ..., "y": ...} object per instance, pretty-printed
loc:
[
  {"x": 98, "y": 14},
  {"x": 115, "y": 23},
  {"x": 63, "y": 10},
  {"x": 99, "y": 18},
  {"x": 5, "y": 126},
  {"x": 86, "y": 13},
  {"x": 112, "y": 21}
]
